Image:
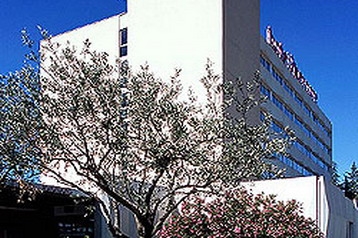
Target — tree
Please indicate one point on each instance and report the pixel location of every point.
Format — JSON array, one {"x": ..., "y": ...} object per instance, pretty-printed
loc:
[
  {"x": 128, "y": 139},
  {"x": 350, "y": 185},
  {"x": 239, "y": 213},
  {"x": 19, "y": 118},
  {"x": 336, "y": 177},
  {"x": 20, "y": 121}
]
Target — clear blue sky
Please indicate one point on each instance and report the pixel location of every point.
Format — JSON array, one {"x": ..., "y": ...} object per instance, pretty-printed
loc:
[
  {"x": 322, "y": 35},
  {"x": 56, "y": 16}
]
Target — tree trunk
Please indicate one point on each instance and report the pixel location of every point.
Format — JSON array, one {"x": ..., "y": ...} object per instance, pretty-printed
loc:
[
  {"x": 148, "y": 230},
  {"x": 145, "y": 230},
  {"x": 115, "y": 233}
]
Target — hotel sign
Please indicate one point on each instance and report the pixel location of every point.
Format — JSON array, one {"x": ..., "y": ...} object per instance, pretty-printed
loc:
[{"x": 288, "y": 59}]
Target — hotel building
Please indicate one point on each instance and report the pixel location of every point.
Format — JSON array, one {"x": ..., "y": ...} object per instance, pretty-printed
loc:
[{"x": 169, "y": 34}]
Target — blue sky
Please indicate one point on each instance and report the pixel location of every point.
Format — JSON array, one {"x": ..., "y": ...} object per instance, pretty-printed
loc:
[
  {"x": 55, "y": 16},
  {"x": 322, "y": 35}
]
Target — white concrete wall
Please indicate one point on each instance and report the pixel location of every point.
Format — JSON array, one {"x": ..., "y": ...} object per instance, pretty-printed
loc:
[
  {"x": 170, "y": 34},
  {"x": 321, "y": 201},
  {"x": 302, "y": 189},
  {"x": 103, "y": 35},
  {"x": 341, "y": 212}
]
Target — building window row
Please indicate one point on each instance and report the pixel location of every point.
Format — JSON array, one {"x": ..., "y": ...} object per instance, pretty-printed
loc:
[
  {"x": 267, "y": 65},
  {"x": 294, "y": 165},
  {"x": 311, "y": 155},
  {"x": 277, "y": 102},
  {"x": 277, "y": 128},
  {"x": 294, "y": 118},
  {"x": 304, "y": 128},
  {"x": 288, "y": 113},
  {"x": 299, "y": 145}
]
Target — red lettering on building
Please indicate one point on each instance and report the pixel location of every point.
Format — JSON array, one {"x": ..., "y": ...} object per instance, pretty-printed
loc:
[{"x": 288, "y": 59}]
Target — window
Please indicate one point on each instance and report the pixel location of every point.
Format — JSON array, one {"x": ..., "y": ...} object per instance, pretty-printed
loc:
[
  {"x": 317, "y": 160},
  {"x": 293, "y": 164},
  {"x": 288, "y": 113},
  {"x": 299, "y": 123},
  {"x": 265, "y": 91},
  {"x": 123, "y": 51},
  {"x": 276, "y": 128},
  {"x": 298, "y": 100},
  {"x": 277, "y": 102},
  {"x": 314, "y": 137},
  {"x": 123, "y": 36},
  {"x": 302, "y": 148},
  {"x": 123, "y": 41},
  {"x": 297, "y": 167},
  {"x": 277, "y": 76},
  {"x": 306, "y": 130},
  {"x": 288, "y": 89},
  {"x": 320, "y": 124},
  {"x": 265, "y": 64},
  {"x": 280, "y": 79},
  {"x": 287, "y": 161},
  {"x": 306, "y": 109},
  {"x": 262, "y": 61},
  {"x": 320, "y": 144},
  {"x": 314, "y": 117}
]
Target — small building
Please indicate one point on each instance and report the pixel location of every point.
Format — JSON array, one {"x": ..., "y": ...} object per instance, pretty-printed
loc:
[{"x": 54, "y": 212}]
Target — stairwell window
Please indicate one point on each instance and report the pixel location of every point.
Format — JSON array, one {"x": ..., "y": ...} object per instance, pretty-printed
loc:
[{"x": 123, "y": 42}]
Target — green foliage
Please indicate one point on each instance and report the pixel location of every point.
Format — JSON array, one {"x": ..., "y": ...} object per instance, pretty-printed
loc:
[
  {"x": 239, "y": 213},
  {"x": 336, "y": 177},
  {"x": 350, "y": 185}
]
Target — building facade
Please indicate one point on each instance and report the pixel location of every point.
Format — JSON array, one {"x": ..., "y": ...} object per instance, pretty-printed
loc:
[
  {"x": 184, "y": 34},
  {"x": 292, "y": 102},
  {"x": 169, "y": 34}
]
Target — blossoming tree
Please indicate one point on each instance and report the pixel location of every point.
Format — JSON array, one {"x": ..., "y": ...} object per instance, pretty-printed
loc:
[
  {"x": 127, "y": 138},
  {"x": 240, "y": 214}
]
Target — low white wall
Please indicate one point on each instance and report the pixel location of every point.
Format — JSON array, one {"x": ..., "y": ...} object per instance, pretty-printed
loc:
[{"x": 321, "y": 201}]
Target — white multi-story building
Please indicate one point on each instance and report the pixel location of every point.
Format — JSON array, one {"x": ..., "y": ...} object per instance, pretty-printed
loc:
[{"x": 169, "y": 34}]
